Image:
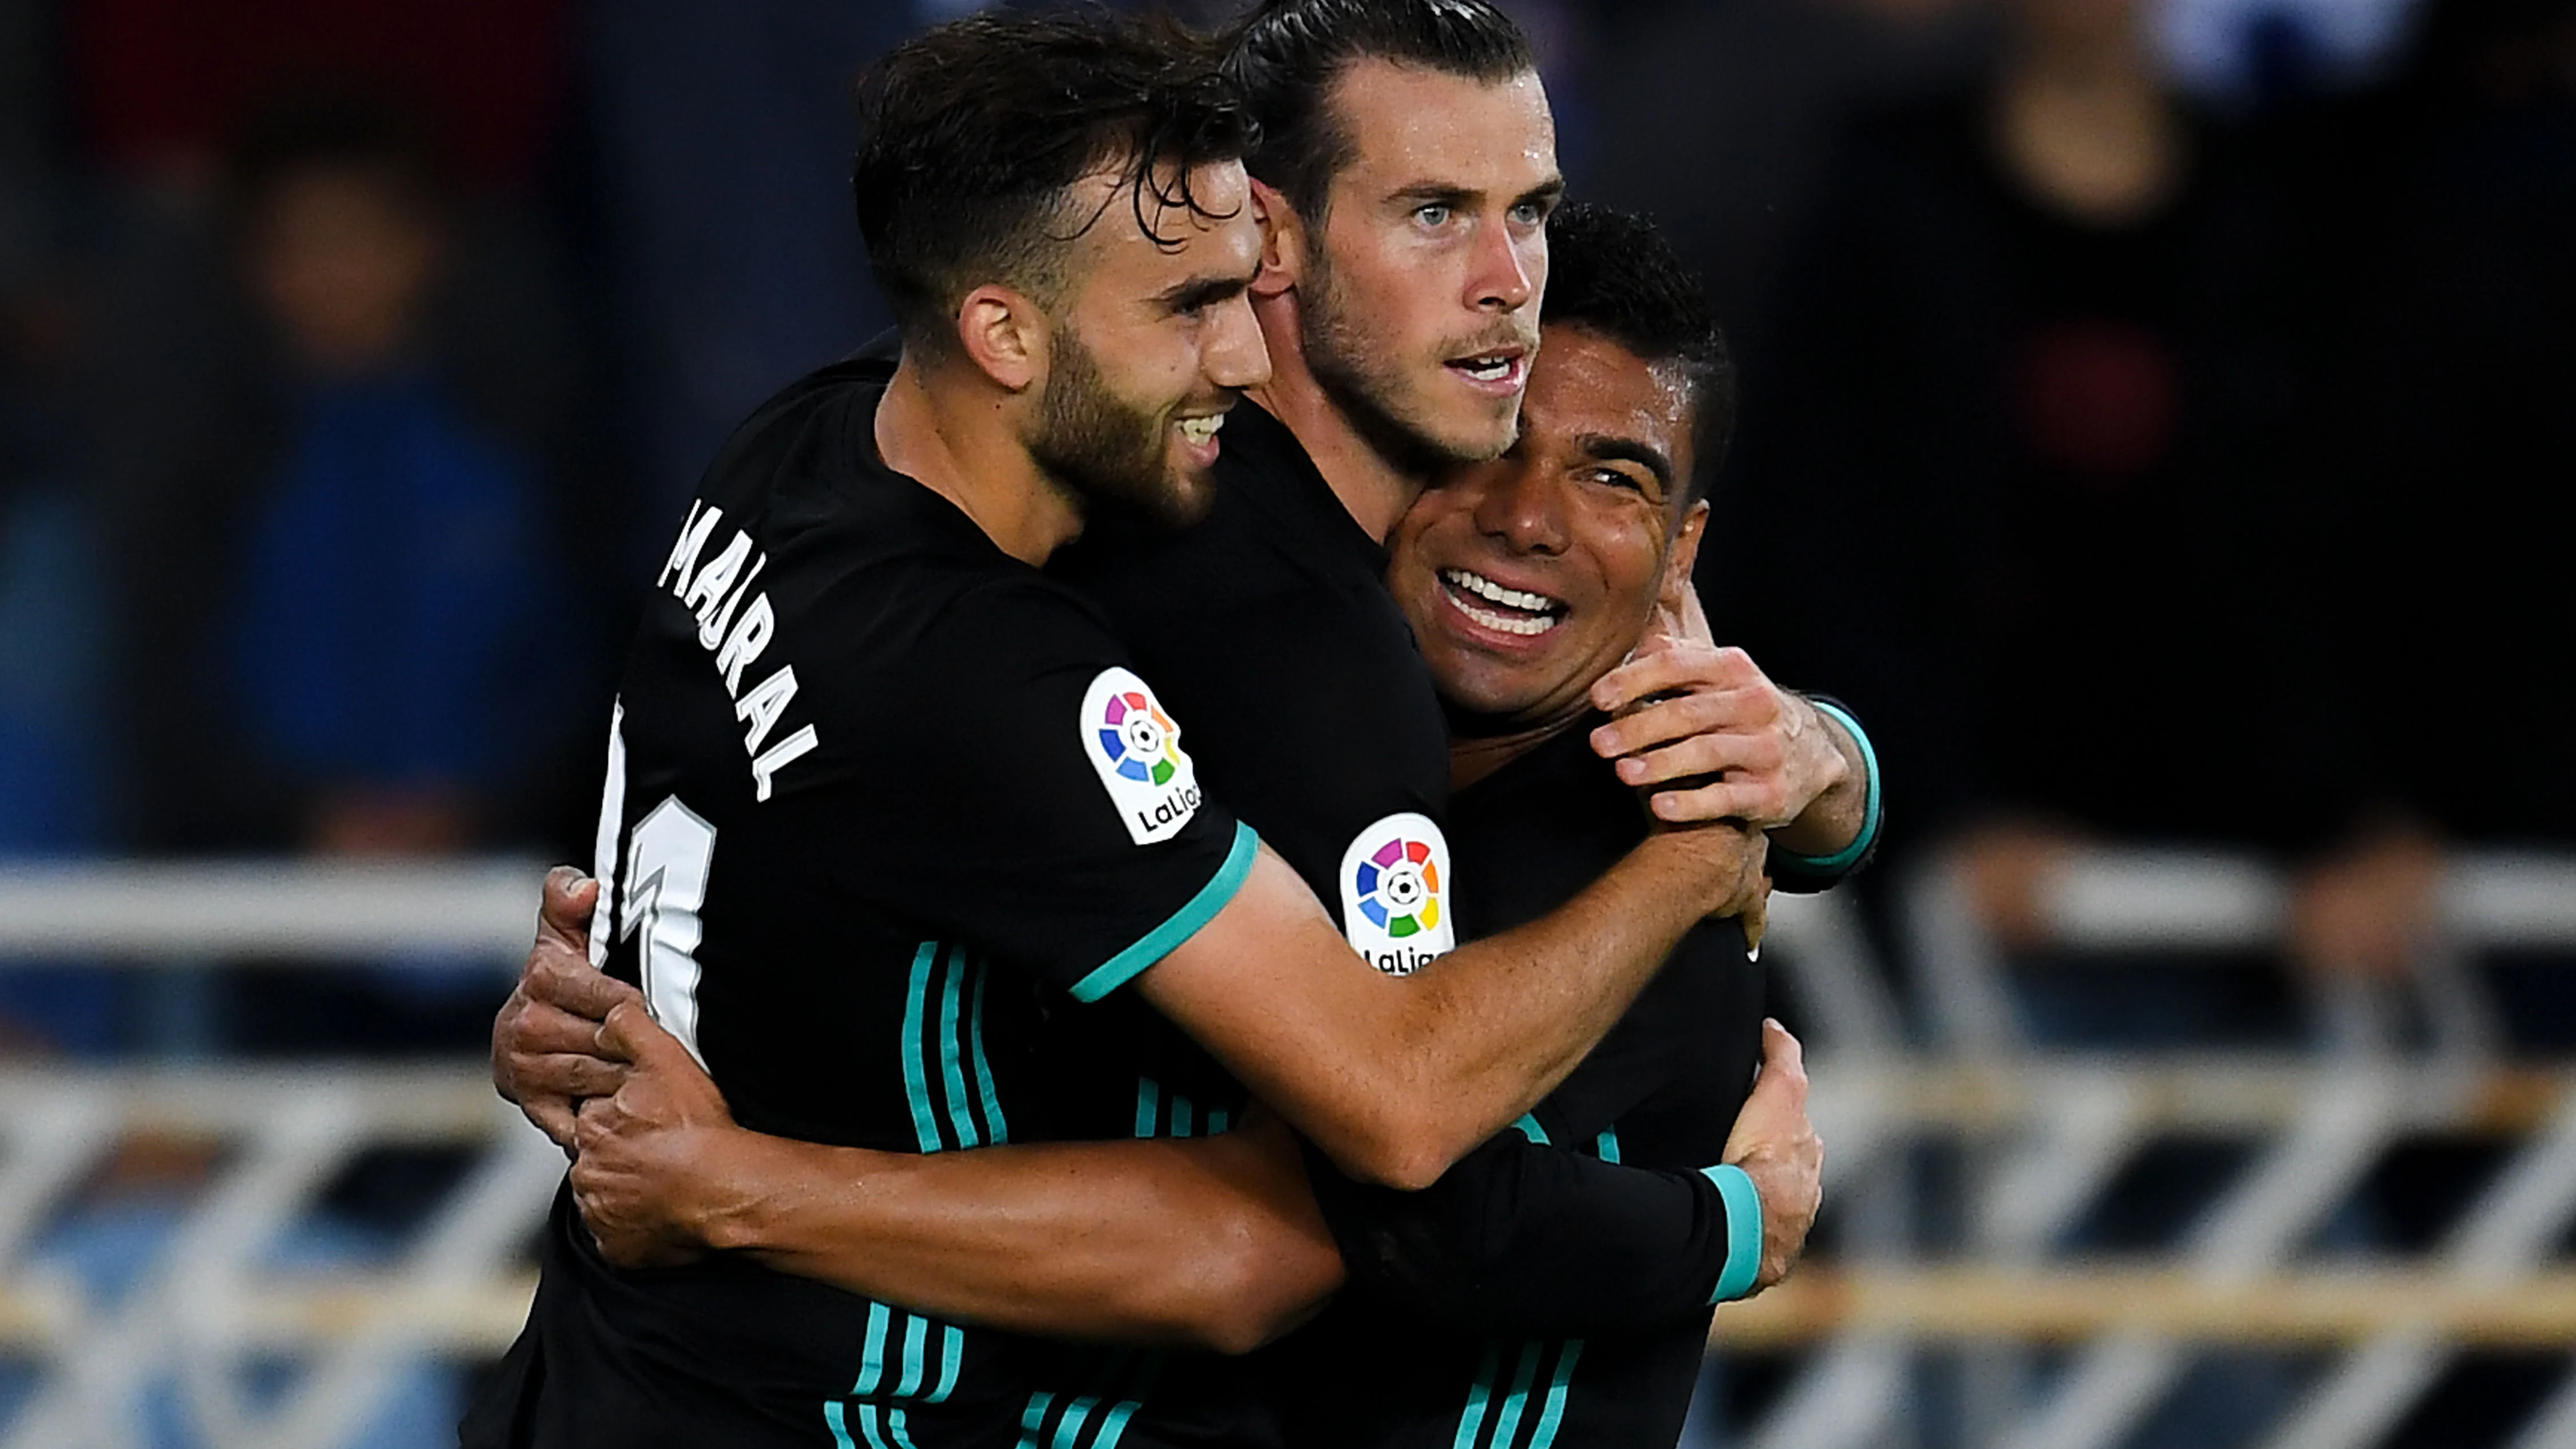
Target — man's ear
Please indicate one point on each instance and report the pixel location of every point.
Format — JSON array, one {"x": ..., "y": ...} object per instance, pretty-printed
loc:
[
  {"x": 1005, "y": 334},
  {"x": 1283, "y": 241},
  {"x": 1684, "y": 557}
]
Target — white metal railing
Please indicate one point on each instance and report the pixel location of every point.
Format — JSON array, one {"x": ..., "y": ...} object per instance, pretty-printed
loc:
[
  {"x": 2046, "y": 1133},
  {"x": 207, "y": 1306},
  {"x": 193, "y": 913}
]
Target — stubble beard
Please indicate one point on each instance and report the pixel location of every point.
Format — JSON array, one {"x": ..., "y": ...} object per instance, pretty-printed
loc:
[
  {"x": 1368, "y": 385},
  {"x": 1108, "y": 454}
]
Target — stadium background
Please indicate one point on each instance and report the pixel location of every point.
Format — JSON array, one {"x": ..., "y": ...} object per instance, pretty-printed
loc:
[{"x": 2149, "y": 414}]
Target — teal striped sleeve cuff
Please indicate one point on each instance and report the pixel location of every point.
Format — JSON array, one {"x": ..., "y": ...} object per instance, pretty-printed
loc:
[
  {"x": 1743, "y": 1232},
  {"x": 1184, "y": 923},
  {"x": 1849, "y": 855}
]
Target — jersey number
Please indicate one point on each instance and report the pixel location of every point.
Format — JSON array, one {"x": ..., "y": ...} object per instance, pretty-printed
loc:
[
  {"x": 667, "y": 859},
  {"x": 660, "y": 890}
]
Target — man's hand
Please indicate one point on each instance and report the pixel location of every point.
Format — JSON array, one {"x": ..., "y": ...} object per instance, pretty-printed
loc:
[
  {"x": 1707, "y": 721},
  {"x": 1751, "y": 896},
  {"x": 545, "y": 1055},
  {"x": 640, "y": 1151},
  {"x": 1778, "y": 1148}
]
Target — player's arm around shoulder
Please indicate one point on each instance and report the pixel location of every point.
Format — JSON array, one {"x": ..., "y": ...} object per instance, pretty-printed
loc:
[{"x": 1395, "y": 1078}]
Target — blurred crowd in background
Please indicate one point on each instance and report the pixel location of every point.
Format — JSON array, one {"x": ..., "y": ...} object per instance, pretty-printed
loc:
[{"x": 2149, "y": 411}]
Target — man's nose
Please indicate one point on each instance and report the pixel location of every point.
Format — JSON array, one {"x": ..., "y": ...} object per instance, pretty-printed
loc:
[
  {"x": 1234, "y": 355},
  {"x": 1500, "y": 279},
  {"x": 1526, "y": 509}
]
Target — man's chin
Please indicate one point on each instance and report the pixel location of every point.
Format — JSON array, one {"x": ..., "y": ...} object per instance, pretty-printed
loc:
[
  {"x": 1488, "y": 713},
  {"x": 1188, "y": 494},
  {"x": 1484, "y": 698},
  {"x": 1478, "y": 436}
]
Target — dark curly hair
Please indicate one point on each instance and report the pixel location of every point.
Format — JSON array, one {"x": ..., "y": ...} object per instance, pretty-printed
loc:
[
  {"x": 972, "y": 133},
  {"x": 1284, "y": 56},
  {"x": 1610, "y": 273}
]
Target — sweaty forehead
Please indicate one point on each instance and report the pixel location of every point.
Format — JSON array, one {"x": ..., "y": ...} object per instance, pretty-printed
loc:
[
  {"x": 1585, "y": 385},
  {"x": 1410, "y": 126}
]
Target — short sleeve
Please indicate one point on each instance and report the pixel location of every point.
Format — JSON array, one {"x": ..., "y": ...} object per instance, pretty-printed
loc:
[{"x": 1040, "y": 803}]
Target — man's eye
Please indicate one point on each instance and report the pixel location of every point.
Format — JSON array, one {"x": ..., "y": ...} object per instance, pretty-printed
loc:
[
  {"x": 1618, "y": 479},
  {"x": 1432, "y": 214},
  {"x": 1529, "y": 213}
]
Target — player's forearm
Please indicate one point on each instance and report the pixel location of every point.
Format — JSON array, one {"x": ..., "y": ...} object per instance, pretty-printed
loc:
[
  {"x": 1397, "y": 1078},
  {"x": 1211, "y": 1243},
  {"x": 1528, "y": 1239},
  {"x": 1493, "y": 1027},
  {"x": 1832, "y": 823}
]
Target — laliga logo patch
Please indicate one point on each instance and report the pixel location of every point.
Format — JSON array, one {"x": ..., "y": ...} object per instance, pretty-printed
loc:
[
  {"x": 1136, "y": 749},
  {"x": 1395, "y": 894}
]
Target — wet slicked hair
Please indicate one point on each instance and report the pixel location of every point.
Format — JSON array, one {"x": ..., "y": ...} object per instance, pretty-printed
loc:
[
  {"x": 1610, "y": 273},
  {"x": 1285, "y": 55},
  {"x": 972, "y": 133}
]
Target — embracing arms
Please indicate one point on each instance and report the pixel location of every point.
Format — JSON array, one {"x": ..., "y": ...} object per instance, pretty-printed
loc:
[{"x": 1216, "y": 1242}]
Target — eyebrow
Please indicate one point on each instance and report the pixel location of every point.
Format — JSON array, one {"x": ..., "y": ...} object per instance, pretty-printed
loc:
[
  {"x": 1203, "y": 291},
  {"x": 1425, "y": 193},
  {"x": 1607, "y": 448}
]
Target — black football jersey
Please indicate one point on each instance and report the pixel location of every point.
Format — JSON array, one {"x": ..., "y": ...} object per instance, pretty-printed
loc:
[
  {"x": 1528, "y": 1301},
  {"x": 1313, "y": 717},
  {"x": 1269, "y": 621},
  {"x": 881, "y": 801}
]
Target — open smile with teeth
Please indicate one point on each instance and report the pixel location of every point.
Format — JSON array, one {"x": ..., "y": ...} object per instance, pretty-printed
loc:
[
  {"x": 1201, "y": 431},
  {"x": 1494, "y": 367},
  {"x": 1504, "y": 610}
]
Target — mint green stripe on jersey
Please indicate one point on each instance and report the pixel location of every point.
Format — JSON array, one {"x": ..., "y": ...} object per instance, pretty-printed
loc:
[
  {"x": 1545, "y": 1434},
  {"x": 916, "y": 1082},
  {"x": 1471, "y": 1421},
  {"x": 1113, "y": 1424},
  {"x": 872, "y": 1351},
  {"x": 839, "y": 1425},
  {"x": 1032, "y": 1417},
  {"x": 1529, "y": 1128},
  {"x": 1184, "y": 1115},
  {"x": 1508, "y": 1422},
  {"x": 1606, "y": 1146},
  {"x": 1068, "y": 1430},
  {"x": 995, "y": 1129},
  {"x": 915, "y": 1330},
  {"x": 952, "y": 1348},
  {"x": 1159, "y": 942},
  {"x": 1149, "y": 1107},
  {"x": 895, "y": 1427},
  {"x": 1743, "y": 1232},
  {"x": 952, "y": 1073},
  {"x": 870, "y": 1427}
]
